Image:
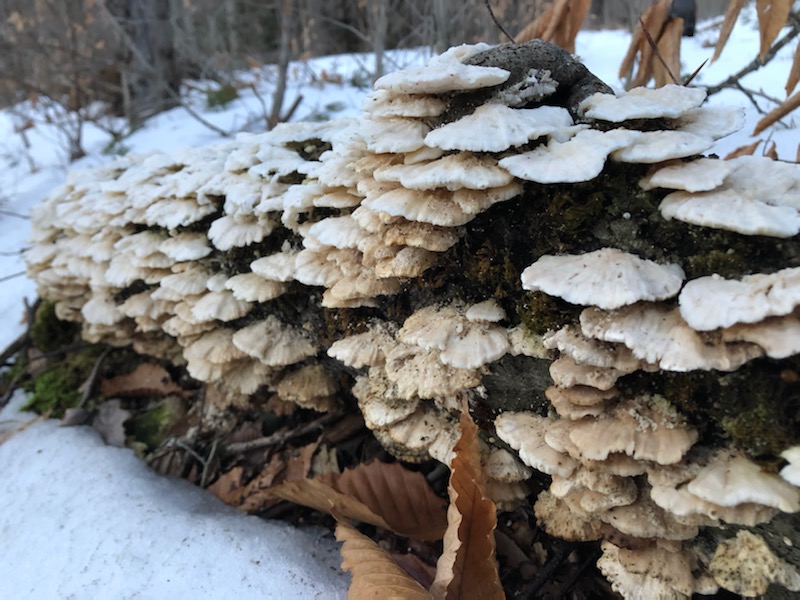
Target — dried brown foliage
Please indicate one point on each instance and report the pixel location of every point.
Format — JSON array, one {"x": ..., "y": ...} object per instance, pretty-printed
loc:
[
  {"x": 386, "y": 495},
  {"x": 746, "y": 150},
  {"x": 148, "y": 379},
  {"x": 641, "y": 51},
  {"x": 559, "y": 23},
  {"x": 375, "y": 573},
  {"x": 731, "y": 16},
  {"x": 468, "y": 566},
  {"x": 772, "y": 16}
]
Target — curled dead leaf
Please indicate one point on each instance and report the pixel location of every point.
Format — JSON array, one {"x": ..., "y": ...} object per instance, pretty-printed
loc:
[
  {"x": 385, "y": 495},
  {"x": 731, "y": 15},
  {"x": 467, "y": 567},
  {"x": 375, "y": 574},
  {"x": 148, "y": 379},
  {"x": 772, "y": 16},
  {"x": 777, "y": 113}
]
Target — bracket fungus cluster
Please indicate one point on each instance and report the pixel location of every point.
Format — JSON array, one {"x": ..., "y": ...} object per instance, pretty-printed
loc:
[{"x": 501, "y": 231}]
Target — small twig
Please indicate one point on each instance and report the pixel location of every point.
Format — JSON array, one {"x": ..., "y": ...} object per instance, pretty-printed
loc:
[
  {"x": 11, "y": 213},
  {"x": 12, "y": 276},
  {"x": 14, "y": 347},
  {"x": 90, "y": 381},
  {"x": 282, "y": 435},
  {"x": 14, "y": 253},
  {"x": 657, "y": 54},
  {"x": 696, "y": 72},
  {"x": 756, "y": 62},
  {"x": 496, "y": 22}
]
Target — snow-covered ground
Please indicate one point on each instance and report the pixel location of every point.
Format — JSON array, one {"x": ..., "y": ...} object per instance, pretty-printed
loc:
[{"x": 81, "y": 519}]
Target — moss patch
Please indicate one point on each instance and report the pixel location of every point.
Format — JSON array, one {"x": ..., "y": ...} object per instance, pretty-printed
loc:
[
  {"x": 48, "y": 332},
  {"x": 58, "y": 388}
]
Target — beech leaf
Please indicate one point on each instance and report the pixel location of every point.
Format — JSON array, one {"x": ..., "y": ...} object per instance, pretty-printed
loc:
[
  {"x": 772, "y": 16},
  {"x": 794, "y": 73},
  {"x": 148, "y": 379},
  {"x": 777, "y": 113},
  {"x": 746, "y": 150},
  {"x": 731, "y": 15},
  {"x": 375, "y": 574},
  {"x": 402, "y": 497},
  {"x": 385, "y": 495},
  {"x": 468, "y": 567}
]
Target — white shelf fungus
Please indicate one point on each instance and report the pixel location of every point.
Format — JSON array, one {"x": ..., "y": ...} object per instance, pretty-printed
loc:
[
  {"x": 670, "y": 101},
  {"x": 712, "y": 302},
  {"x": 607, "y": 278},
  {"x": 496, "y": 127}
]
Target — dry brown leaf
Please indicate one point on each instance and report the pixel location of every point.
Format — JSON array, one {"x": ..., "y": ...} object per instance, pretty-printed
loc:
[
  {"x": 777, "y": 113},
  {"x": 559, "y": 23},
  {"x": 228, "y": 487},
  {"x": 375, "y": 574},
  {"x": 772, "y": 16},
  {"x": 148, "y": 379},
  {"x": 794, "y": 73},
  {"x": 402, "y": 497},
  {"x": 652, "y": 22},
  {"x": 386, "y": 495},
  {"x": 321, "y": 496},
  {"x": 467, "y": 568},
  {"x": 731, "y": 16},
  {"x": 669, "y": 48},
  {"x": 772, "y": 151},
  {"x": 256, "y": 495},
  {"x": 746, "y": 150}
]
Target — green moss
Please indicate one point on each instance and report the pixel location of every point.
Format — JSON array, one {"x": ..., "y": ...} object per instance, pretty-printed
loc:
[
  {"x": 152, "y": 426},
  {"x": 48, "y": 332},
  {"x": 58, "y": 388}
]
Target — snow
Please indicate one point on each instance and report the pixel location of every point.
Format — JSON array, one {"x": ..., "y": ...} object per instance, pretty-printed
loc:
[
  {"x": 81, "y": 519},
  {"x": 84, "y": 520}
]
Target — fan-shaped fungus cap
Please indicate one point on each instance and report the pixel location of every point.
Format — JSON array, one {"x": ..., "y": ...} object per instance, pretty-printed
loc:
[
  {"x": 700, "y": 175},
  {"x": 382, "y": 103},
  {"x": 779, "y": 337},
  {"x": 364, "y": 349},
  {"x": 670, "y": 101},
  {"x": 587, "y": 351},
  {"x": 419, "y": 372},
  {"x": 580, "y": 158},
  {"x": 732, "y": 479},
  {"x": 791, "y": 472},
  {"x": 651, "y": 572},
  {"x": 658, "y": 146},
  {"x": 745, "y": 565},
  {"x": 607, "y": 278},
  {"x": 566, "y": 373},
  {"x": 646, "y": 429},
  {"x": 226, "y": 232},
  {"x": 186, "y": 246},
  {"x": 525, "y": 432},
  {"x": 658, "y": 335},
  {"x": 496, "y": 127},
  {"x": 726, "y": 209},
  {"x": 274, "y": 343},
  {"x": 251, "y": 287},
  {"x": 453, "y": 171},
  {"x": 464, "y": 344},
  {"x": 310, "y": 386},
  {"x": 488, "y": 310},
  {"x": 442, "y": 74},
  {"x": 712, "y": 302},
  {"x": 378, "y": 401},
  {"x": 221, "y": 306}
]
